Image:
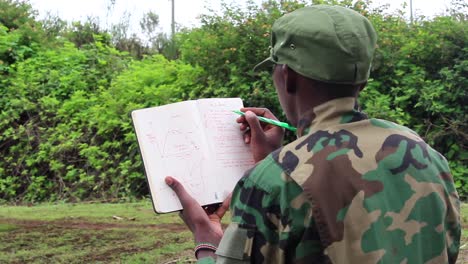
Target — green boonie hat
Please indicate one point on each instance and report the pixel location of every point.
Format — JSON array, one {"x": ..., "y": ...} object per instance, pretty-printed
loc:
[{"x": 331, "y": 44}]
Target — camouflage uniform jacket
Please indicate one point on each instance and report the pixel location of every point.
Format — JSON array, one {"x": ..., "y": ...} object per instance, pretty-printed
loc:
[{"x": 348, "y": 190}]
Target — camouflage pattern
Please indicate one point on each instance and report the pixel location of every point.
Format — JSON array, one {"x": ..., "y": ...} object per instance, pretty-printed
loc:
[{"x": 348, "y": 190}]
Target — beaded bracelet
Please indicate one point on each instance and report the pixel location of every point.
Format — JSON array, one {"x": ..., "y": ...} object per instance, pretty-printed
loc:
[{"x": 201, "y": 246}]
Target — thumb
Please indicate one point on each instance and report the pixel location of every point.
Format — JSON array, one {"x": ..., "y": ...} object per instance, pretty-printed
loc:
[
  {"x": 179, "y": 189},
  {"x": 173, "y": 183},
  {"x": 256, "y": 129}
]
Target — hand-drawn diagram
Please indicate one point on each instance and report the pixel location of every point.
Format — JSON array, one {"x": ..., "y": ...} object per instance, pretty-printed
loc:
[
  {"x": 198, "y": 143},
  {"x": 177, "y": 151}
]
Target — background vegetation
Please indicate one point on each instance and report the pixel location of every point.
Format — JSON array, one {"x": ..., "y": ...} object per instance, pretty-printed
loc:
[{"x": 66, "y": 90}]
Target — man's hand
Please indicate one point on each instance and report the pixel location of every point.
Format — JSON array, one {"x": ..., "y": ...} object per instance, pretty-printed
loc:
[
  {"x": 262, "y": 137},
  {"x": 205, "y": 227}
]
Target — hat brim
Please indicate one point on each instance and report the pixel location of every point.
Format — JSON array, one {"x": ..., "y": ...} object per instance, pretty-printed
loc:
[{"x": 265, "y": 64}]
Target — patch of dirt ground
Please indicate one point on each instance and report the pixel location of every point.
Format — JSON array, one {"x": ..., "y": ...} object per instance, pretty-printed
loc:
[
  {"x": 87, "y": 236},
  {"x": 83, "y": 224},
  {"x": 59, "y": 226}
]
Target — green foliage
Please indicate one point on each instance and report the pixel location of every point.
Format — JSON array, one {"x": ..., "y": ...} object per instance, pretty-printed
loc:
[
  {"x": 82, "y": 33},
  {"x": 66, "y": 129},
  {"x": 66, "y": 92},
  {"x": 19, "y": 32},
  {"x": 44, "y": 123}
]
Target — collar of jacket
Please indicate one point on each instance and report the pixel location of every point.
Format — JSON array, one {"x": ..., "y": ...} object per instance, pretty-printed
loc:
[{"x": 337, "y": 111}]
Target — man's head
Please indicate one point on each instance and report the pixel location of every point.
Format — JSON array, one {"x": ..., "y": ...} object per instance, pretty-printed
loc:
[
  {"x": 331, "y": 44},
  {"x": 319, "y": 49}
]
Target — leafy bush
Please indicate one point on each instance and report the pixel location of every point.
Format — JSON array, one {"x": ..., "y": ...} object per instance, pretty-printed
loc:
[
  {"x": 65, "y": 99},
  {"x": 43, "y": 120},
  {"x": 66, "y": 132}
]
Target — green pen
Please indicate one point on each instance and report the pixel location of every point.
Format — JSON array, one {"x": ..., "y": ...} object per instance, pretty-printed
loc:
[{"x": 270, "y": 121}]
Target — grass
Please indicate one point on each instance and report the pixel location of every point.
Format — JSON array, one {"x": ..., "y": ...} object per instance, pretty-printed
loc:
[
  {"x": 105, "y": 233},
  {"x": 96, "y": 233}
]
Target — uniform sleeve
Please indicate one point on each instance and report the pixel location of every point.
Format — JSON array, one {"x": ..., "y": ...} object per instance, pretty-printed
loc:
[{"x": 271, "y": 220}]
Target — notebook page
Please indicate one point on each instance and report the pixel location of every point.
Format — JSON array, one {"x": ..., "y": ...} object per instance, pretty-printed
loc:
[
  {"x": 231, "y": 157},
  {"x": 172, "y": 143}
]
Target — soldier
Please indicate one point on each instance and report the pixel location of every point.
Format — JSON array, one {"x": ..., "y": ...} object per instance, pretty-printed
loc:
[{"x": 350, "y": 189}]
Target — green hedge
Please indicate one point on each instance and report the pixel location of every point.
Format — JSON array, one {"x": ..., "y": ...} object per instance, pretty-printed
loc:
[{"x": 65, "y": 130}]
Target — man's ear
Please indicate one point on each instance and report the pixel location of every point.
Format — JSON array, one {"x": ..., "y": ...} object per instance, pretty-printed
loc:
[{"x": 290, "y": 79}]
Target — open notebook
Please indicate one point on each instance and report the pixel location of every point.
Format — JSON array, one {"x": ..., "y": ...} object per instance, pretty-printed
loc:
[{"x": 197, "y": 142}]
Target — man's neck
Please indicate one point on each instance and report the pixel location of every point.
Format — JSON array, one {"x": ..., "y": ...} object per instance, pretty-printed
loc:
[{"x": 326, "y": 114}]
